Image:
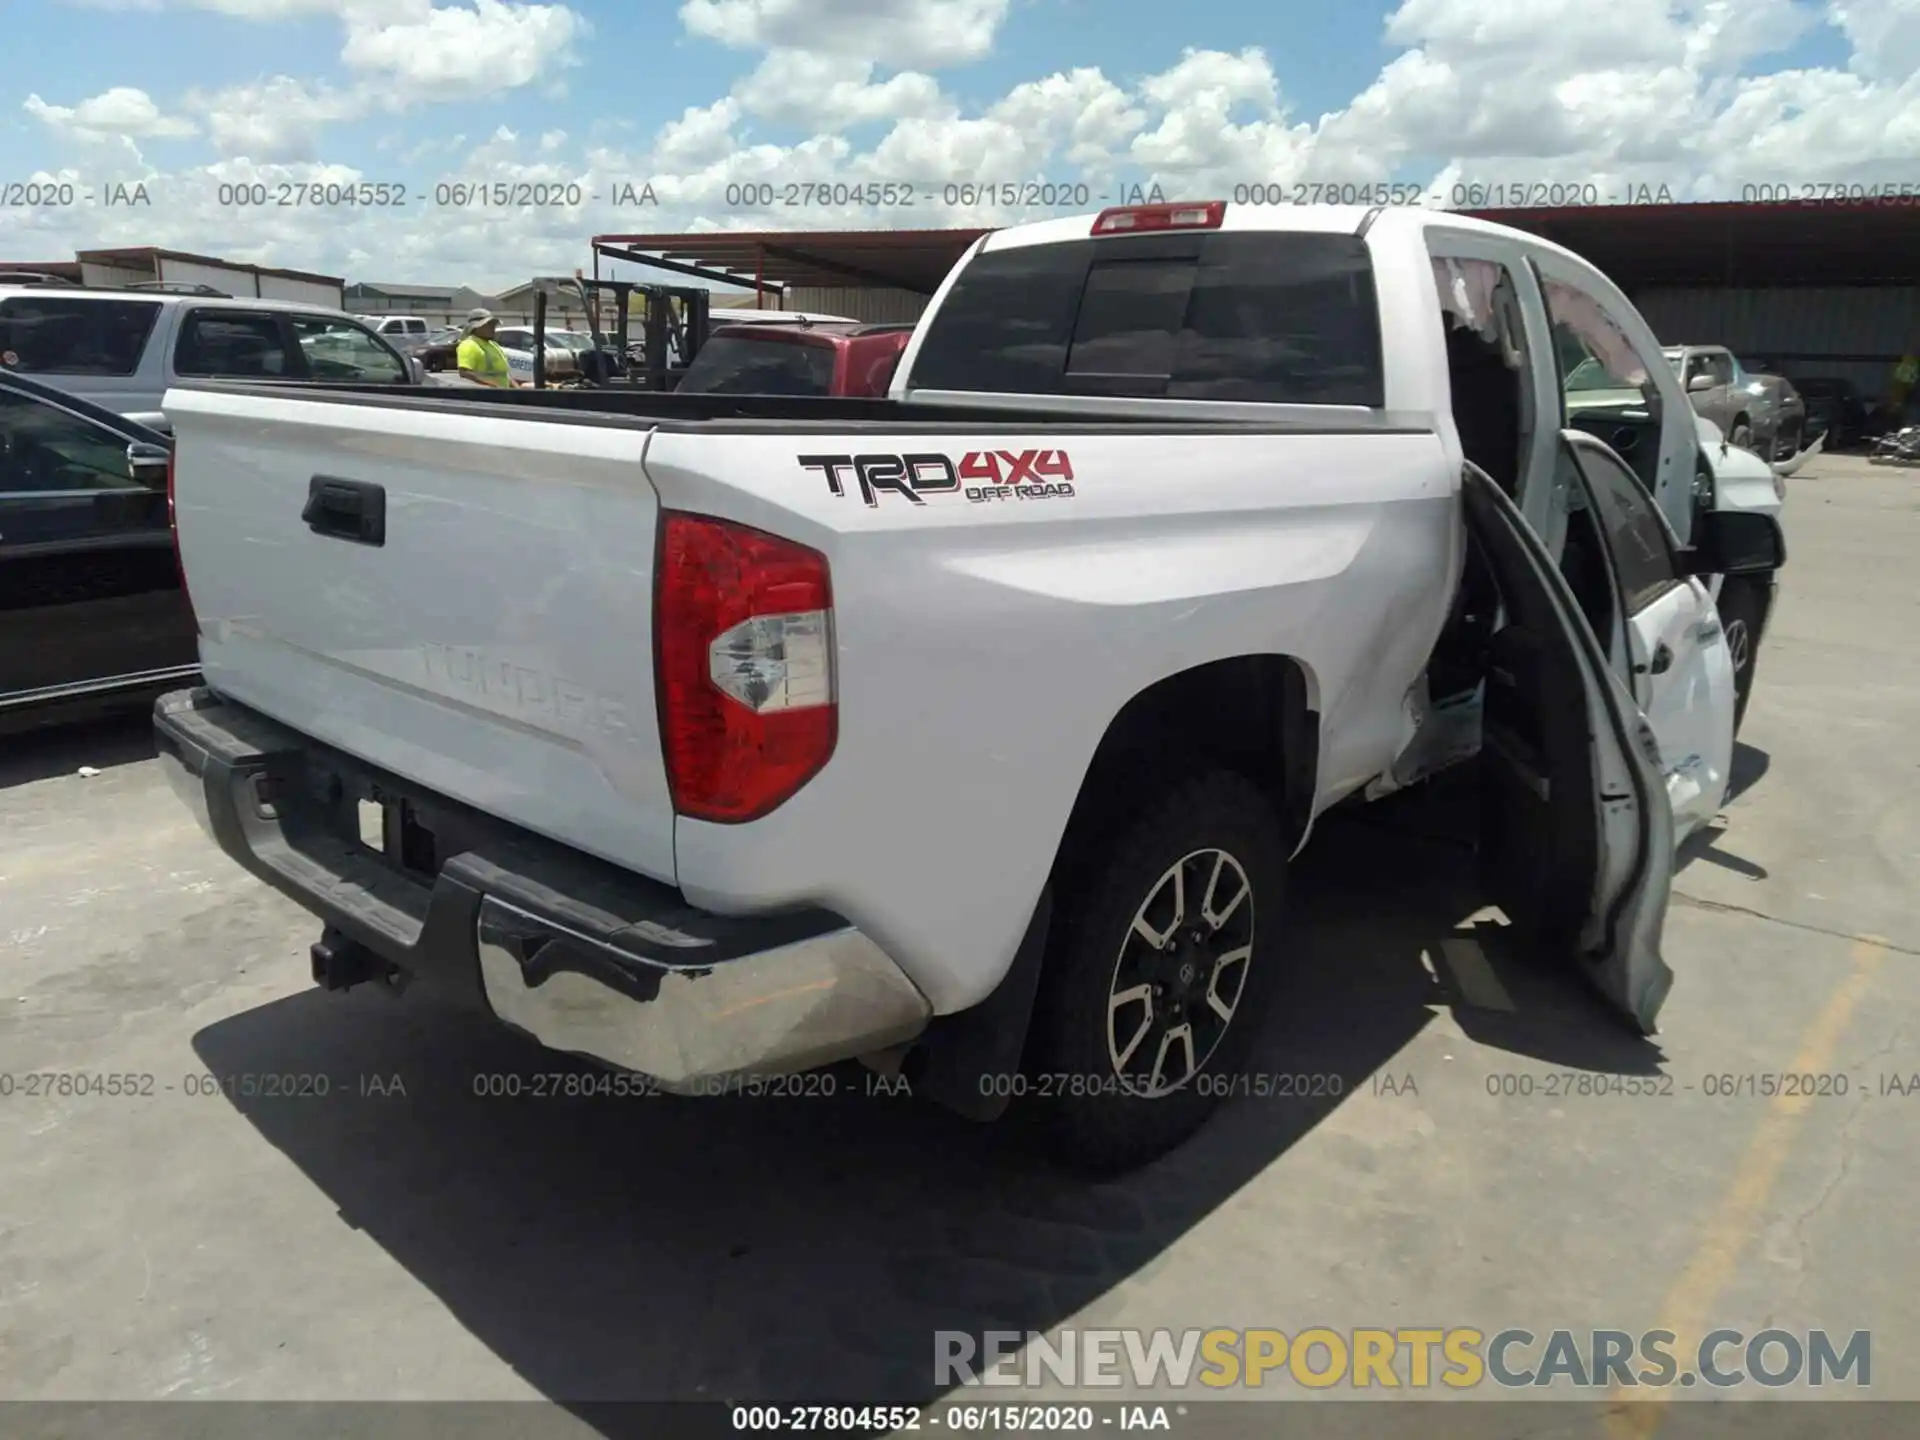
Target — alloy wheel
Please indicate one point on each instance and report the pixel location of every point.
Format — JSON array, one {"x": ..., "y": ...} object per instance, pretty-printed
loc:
[{"x": 1180, "y": 974}]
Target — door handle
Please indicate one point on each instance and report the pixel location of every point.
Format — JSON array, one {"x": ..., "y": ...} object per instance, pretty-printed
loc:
[
  {"x": 353, "y": 510},
  {"x": 1662, "y": 658}
]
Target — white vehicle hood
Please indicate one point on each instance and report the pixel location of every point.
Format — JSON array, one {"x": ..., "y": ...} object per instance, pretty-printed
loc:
[{"x": 1741, "y": 479}]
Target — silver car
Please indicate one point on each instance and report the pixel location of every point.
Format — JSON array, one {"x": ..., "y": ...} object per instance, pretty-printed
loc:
[{"x": 1758, "y": 412}]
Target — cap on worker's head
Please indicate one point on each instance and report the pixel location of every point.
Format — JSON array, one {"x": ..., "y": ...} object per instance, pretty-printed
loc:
[{"x": 477, "y": 318}]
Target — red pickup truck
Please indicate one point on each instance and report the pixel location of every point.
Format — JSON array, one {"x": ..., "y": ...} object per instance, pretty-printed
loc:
[{"x": 781, "y": 358}]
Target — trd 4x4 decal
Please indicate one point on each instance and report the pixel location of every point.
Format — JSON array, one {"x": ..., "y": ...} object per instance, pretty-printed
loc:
[{"x": 981, "y": 475}]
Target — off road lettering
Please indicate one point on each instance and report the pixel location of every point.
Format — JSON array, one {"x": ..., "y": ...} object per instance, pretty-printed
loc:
[
  {"x": 830, "y": 466},
  {"x": 1019, "y": 467},
  {"x": 980, "y": 466},
  {"x": 988, "y": 475},
  {"x": 883, "y": 472},
  {"x": 941, "y": 480}
]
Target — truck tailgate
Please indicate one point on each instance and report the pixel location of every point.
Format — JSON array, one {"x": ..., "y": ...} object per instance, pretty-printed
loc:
[{"x": 493, "y": 644}]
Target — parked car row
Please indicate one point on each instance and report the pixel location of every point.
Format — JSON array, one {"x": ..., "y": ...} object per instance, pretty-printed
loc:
[
  {"x": 1755, "y": 411},
  {"x": 122, "y": 350},
  {"x": 93, "y": 616}
]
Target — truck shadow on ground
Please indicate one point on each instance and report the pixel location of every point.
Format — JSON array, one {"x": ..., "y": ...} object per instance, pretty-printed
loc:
[
  {"x": 788, "y": 1249},
  {"x": 1750, "y": 766},
  {"x": 100, "y": 744}
]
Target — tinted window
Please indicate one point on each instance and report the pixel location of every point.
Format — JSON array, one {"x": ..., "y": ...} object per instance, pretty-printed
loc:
[
  {"x": 1277, "y": 318},
  {"x": 44, "y": 448},
  {"x": 1131, "y": 315},
  {"x": 233, "y": 345},
  {"x": 1719, "y": 367},
  {"x": 1594, "y": 351},
  {"x": 74, "y": 335},
  {"x": 341, "y": 350},
  {"x": 737, "y": 365},
  {"x": 1643, "y": 558},
  {"x": 1282, "y": 318}
]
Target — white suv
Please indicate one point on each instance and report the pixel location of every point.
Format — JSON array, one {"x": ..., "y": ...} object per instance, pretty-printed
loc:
[
  {"x": 123, "y": 349},
  {"x": 405, "y": 333}
]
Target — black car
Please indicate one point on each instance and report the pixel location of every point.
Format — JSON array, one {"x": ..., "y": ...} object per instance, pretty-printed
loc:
[
  {"x": 1834, "y": 409},
  {"x": 93, "y": 617}
]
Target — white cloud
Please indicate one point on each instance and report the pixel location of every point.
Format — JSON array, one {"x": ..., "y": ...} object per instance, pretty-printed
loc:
[
  {"x": 832, "y": 92},
  {"x": 1199, "y": 145},
  {"x": 1081, "y": 112},
  {"x": 120, "y": 112},
  {"x": 1726, "y": 36},
  {"x": 403, "y": 53},
  {"x": 278, "y": 119},
  {"x": 702, "y": 136},
  {"x": 1648, "y": 92},
  {"x": 1885, "y": 36},
  {"x": 911, "y": 33},
  {"x": 441, "y": 52},
  {"x": 424, "y": 49},
  {"x": 1643, "y": 91}
]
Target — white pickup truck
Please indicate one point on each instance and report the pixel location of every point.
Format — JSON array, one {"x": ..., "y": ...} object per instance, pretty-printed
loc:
[{"x": 971, "y": 731}]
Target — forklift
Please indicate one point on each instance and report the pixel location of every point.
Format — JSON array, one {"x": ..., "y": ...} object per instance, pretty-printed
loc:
[{"x": 675, "y": 322}]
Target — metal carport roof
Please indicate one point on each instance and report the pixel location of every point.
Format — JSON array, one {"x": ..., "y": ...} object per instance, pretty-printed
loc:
[
  {"x": 1839, "y": 244},
  {"x": 1831, "y": 244},
  {"x": 913, "y": 260}
]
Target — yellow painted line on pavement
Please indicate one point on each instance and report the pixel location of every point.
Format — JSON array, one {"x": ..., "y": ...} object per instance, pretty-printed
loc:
[{"x": 1635, "y": 1414}]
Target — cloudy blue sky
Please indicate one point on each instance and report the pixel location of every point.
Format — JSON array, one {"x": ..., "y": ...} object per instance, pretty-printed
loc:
[{"x": 209, "y": 103}]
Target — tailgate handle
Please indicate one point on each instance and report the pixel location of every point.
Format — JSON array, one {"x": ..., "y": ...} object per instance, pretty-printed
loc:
[{"x": 353, "y": 510}]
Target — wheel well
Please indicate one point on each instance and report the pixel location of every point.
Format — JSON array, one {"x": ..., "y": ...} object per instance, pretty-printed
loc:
[{"x": 1250, "y": 714}]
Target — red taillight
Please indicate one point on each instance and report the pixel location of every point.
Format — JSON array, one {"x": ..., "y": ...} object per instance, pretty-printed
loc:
[
  {"x": 743, "y": 647},
  {"x": 1132, "y": 219}
]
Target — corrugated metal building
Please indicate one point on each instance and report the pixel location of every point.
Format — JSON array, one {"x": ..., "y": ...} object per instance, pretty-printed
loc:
[
  {"x": 879, "y": 276},
  {"x": 148, "y": 264},
  {"x": 876, "y": 304},
  {"x": 1852, "y": 333},
  {"x": 1827, "y": 289}
]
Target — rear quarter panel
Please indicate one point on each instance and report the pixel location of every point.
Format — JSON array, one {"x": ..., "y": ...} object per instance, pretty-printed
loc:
[{"x": 985, "y": 646}]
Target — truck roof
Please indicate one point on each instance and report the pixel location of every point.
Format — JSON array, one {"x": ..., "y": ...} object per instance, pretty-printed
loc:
[
  {"x": 1294, "y": 219},
  {"x": 167, "y": 297}
]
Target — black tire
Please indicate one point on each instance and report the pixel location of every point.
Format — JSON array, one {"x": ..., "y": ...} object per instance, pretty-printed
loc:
[
  {"x": 1742, "y": 613},
  {"x": 1094, "y": 1117},
  {"x": 1741, "y": 434}
]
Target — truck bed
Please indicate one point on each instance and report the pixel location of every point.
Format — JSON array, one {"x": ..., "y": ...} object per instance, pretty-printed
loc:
[{"x": 489, "y": 638}]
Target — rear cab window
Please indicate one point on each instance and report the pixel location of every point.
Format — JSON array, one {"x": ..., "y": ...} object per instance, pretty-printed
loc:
[
  {"x": 74, "y": 334},
  {"x": 760, "y": 365},
  {"x": 234, "y": 344},
  {"x": 1273, "y": 317}
]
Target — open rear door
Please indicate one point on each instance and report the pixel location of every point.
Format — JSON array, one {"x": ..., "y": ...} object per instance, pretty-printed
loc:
[{"x": 1576, "y": 832}]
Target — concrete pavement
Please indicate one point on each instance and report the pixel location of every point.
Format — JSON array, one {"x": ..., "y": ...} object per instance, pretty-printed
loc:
[{"x": 401, "y": 1237}]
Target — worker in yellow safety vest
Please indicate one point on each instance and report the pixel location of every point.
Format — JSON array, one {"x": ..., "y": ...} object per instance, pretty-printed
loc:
[
  {"x": 480, "y": 357},
  {"x": 1906, "y": 375}
]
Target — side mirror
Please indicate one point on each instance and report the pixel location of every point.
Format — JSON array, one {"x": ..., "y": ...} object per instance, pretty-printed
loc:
[
  {"x": 1702, "y": 381},
  {"x": 147, "y": 464},
  {"x": 1736, "y": 542}
]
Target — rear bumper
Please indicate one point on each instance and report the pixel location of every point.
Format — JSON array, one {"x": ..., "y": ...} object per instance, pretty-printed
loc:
[{"x": 584, "y": 957}]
